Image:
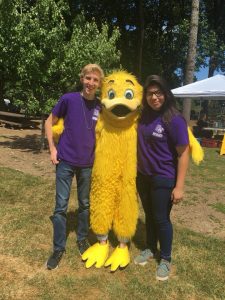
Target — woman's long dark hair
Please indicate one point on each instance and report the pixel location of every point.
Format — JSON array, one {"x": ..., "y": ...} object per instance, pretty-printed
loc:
[{"x": 168, "y": 108}]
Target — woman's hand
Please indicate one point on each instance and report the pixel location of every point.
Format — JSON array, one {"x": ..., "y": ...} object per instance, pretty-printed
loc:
[
  {"x": 183, "y": 158},
  {"x": 177, "y": 195}
]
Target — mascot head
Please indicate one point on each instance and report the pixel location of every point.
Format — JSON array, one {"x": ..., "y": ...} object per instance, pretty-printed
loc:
[{"x": 121, "y": 96}]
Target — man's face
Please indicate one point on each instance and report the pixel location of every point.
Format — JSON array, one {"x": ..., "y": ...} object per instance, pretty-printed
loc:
[{"x": 91, "y": 82}]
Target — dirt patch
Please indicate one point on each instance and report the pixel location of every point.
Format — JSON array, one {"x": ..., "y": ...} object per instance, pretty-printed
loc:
[
  {"x": 19, "y": 150},
  {"x": 14, "y": 278},
  {"x": 200, "y": 217}
]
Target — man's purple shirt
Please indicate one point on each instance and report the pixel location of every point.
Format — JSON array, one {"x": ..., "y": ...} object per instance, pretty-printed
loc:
[{"x": 77, "y": 143}]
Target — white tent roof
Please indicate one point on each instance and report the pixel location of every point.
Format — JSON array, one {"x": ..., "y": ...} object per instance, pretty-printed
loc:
[{"x": 212, "y": 88}]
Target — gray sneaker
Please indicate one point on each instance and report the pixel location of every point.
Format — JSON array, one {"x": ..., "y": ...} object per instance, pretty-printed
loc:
[
  {"x": 143, "y": 257},
  {"x": 163, "y": 270}
]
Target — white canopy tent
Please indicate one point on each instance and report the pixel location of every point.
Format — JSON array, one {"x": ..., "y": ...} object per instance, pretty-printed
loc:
[{"x": 212, "y": 88}]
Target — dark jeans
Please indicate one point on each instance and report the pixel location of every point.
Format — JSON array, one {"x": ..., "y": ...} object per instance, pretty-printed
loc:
[
  {"x": 64, "y": 177},
  {"x": 155, "y": 194}
]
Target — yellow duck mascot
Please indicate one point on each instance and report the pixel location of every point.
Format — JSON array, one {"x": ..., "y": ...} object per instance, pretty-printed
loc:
[{"x": 113, "y": 198}]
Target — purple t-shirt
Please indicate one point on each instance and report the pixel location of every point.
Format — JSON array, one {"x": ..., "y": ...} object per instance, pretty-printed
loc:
[
  {"x": 156, "y": 144},
  {"x": 77, "y": 142}
]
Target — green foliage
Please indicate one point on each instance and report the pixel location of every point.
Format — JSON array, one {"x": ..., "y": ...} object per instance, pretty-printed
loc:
[
  {"x": 163, "y": 33},
  {"x": 88, "y": 44},
  {"x": 40, "y": 60},
  {"x": 45, "y": 43},
  {"x": 214, "y": 12},
  {"x": 210, "y": 43},
  {"x": 166, "y": 32}
]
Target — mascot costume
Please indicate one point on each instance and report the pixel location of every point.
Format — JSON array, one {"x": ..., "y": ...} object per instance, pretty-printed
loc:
[{"x": 113, "y": 198}]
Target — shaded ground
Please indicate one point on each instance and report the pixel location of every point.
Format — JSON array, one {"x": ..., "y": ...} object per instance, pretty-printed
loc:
[{"x": 19, "y": 150}]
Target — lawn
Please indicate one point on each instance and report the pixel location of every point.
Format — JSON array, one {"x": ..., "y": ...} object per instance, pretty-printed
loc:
[{"x": 26, "y": 202}]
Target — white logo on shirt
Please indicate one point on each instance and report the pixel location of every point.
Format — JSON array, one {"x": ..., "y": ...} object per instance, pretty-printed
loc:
[
  {"x": 95, "y": 114},
  {"x": 158, "y": 131}
]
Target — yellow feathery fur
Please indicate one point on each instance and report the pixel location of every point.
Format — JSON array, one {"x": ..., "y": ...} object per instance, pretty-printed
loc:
[
  {"x": 197, "y": 152},
  {"x": 113, "y": 202},
  {"x": 121, "y": 83},
  {"x": 57, "y": 129},
  {"x": 222, "y": 149}
]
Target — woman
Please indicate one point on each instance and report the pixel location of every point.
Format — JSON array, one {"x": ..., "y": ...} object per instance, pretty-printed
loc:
[{"x": 163, "y": 155}]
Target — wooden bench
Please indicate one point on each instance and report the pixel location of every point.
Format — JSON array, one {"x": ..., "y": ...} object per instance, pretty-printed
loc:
[{"x": 19, "y": 120}]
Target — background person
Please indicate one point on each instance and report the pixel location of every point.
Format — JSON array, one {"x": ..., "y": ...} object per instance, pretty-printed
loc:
[
  {"x": 201, "y": 123},
  {"x": 163, "y": 155},
  {"x": 202, "y": 120},
  {"x": 74, "y": 155}
]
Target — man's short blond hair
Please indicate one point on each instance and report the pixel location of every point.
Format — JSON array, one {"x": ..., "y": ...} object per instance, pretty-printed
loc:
[{"x": 92, "y": 68}]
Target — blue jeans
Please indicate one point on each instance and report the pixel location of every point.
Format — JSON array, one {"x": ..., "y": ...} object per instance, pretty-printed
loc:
[
  {"x": 64, "y": 178},
  {"x": 155, "y": 193}
]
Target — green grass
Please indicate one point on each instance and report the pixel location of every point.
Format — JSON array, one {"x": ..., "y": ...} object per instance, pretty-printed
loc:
[
  {"x": 219, "y": 207},
  {"x": 26, "y": 202}
]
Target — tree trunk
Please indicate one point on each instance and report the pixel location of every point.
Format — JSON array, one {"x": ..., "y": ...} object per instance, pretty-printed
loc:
[
  {"x": 140, "y": 37},
  {"x": 1, "y": 88},
  {"x": 212, "y": 65},
  {"x": 190, "y": 65},
  {"x": 42, "y": 143}
]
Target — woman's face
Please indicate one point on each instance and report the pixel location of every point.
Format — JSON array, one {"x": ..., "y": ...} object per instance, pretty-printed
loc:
[{"x": 155, "y": 97}]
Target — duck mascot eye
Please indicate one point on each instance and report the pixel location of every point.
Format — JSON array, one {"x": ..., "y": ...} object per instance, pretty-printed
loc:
[
  {"x": 111, "y": 94},
  {"x": 129, "y": 94}
]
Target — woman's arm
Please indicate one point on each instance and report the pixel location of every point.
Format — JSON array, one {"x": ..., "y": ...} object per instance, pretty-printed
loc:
[
  {"x": 183, "y": 160},
  {"x": 51, "y": 120}
]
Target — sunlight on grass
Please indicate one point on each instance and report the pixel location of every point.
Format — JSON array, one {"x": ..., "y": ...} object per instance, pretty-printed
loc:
[
  {"x": 219, "y": 207},
  {"x": 26, "y": 236}
]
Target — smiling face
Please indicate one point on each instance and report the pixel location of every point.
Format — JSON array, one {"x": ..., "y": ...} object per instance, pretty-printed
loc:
[
  {"x": 91, "y": 82},
  {"x": 121, "y": 96},
  {"x": 155, "y": 97}
]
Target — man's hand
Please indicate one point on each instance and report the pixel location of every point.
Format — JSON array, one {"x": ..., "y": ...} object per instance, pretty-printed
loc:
[
  {"x": 51, "y": 120},
  {"x": 54, "y": 159}
]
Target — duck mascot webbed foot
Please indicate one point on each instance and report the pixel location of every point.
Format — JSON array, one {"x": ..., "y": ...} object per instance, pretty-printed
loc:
[
  {"x": 96, "y": 255},
  {"x": 120, "y": 258}
]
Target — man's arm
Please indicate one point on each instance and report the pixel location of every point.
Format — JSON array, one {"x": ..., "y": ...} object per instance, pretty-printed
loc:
[{"x": 51, "y": 120}]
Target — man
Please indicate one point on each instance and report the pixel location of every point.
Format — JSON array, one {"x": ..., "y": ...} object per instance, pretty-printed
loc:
[{"x": 74, "y": 155}]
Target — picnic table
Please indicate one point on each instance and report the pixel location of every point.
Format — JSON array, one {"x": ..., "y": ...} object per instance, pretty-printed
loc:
[
  {"x": 18, "y": 120},
  {"x": 215, "y": 130}
]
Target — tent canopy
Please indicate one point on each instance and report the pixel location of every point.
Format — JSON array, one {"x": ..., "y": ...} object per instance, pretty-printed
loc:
[{"x": 212, "y": 88}]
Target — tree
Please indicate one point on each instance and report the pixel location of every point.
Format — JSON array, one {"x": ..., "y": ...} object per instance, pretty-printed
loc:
[
  {"x": 192, "y": 44},
  {"x": 45, "y": 57},
  {"x": 215, "y": 12},
  {"x": 151, "y": 37},
  {"x": 141, "y": 32}
]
